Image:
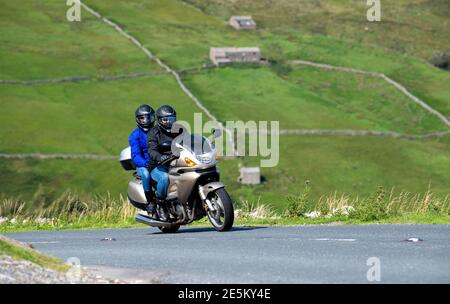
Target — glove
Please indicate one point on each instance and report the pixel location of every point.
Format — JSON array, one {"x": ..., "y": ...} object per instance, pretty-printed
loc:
[{"x": 165, "y": 157}]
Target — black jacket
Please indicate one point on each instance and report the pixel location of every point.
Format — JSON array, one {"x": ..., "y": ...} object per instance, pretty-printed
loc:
[{"x": 154, "y": 137}]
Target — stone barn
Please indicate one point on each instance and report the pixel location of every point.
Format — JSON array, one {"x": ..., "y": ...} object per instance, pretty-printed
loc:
[
  {"x": 242, "y": 22},
  {"x": 221, "y": 56},
  {"x": 250, "y": 176}
]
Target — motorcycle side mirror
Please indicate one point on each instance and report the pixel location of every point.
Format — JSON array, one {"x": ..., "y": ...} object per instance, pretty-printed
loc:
[{"x": 216, "y": 132}]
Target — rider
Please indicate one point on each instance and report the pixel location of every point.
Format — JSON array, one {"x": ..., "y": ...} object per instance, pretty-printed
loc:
[
  {"x": 145, "y": 118},
  {"x": 166, "y": 117}
]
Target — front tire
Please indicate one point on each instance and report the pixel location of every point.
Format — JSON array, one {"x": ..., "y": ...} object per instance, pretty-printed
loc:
[
  {"x": 171, "y": 229},
  {"x": 223, "y": 218}
]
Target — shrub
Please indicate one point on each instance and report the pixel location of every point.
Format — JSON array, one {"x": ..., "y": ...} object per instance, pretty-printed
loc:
[
  {"x": 441, "y": 60},
  {"x": 281, "y": 68},
  {"x": 300, "y": 204},
  {"x": 372, "y": 208}
]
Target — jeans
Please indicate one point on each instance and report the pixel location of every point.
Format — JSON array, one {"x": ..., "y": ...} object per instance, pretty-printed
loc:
[
  {"x": 145, "y": 177},
  {"x": 161, "y": 176}
]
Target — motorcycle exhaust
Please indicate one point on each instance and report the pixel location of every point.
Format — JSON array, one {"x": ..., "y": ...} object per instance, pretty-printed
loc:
[{"x": 151, "y": 222}]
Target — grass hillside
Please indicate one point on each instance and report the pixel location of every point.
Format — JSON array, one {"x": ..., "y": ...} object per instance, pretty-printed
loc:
[
  {"x": 407, "y": 26},
  {"x": 181, "y": 35},
  {"x": 308, "y": 98},
  {"x": 88, "y": 117},
  {"x": 41, "y": 181},
  {"x": 96, "y": 117},
  {"x": 37, "y": 42}
]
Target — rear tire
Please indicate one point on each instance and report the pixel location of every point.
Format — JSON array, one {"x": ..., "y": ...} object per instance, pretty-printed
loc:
[
  {"x": 223, "y": 218},
  {"x": 171, "y": 229}
]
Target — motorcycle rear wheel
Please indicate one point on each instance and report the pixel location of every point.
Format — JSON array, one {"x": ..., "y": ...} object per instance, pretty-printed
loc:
[{"x": 223, "y": 218}]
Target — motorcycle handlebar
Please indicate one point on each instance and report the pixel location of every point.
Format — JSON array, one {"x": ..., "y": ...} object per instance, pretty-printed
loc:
[{"x": 167, "y": 161}]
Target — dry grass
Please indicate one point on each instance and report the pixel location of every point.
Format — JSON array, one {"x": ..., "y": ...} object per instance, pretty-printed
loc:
[
  {"x": 378, "y": 206},
  {"x": 258, "y": 210},
  {"x": 68, "y": 208}
]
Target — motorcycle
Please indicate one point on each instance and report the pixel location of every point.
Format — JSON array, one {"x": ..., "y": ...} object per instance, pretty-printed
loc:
[{"x": 194, "y": 190}]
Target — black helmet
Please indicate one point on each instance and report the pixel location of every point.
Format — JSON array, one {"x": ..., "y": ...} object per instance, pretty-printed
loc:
[
  {"x": 166, "y": 116},
  {"x": 145, "y": 117}
]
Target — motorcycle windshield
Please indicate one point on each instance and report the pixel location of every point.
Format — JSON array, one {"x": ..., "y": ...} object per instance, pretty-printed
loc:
[{"x": 196, "y": 144}]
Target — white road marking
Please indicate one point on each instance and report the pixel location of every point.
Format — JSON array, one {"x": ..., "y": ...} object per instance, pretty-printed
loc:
[{"x": 337, "y": 240}]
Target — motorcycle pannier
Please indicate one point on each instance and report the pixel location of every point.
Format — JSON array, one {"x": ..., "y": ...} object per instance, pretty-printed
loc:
[{"x": 125, "y": 160}]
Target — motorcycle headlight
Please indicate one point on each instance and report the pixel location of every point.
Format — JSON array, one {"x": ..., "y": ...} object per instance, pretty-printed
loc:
[{"x": 205, "y": 159}]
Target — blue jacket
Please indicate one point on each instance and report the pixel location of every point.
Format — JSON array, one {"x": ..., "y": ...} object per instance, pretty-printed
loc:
[{"x": 139, "y": 150}]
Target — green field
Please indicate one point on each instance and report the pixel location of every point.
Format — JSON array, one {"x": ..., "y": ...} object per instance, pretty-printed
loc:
[
  {"x": 407, "y": 25},
  {"x": 43, "y": 180},
  {"x": 88, "y": 117},
  {"x": 308, "y": 98},
  {"x": 181, "y": 36},
  {"x": 37, "y": 42},
  {"x": 95, "y": 117}
]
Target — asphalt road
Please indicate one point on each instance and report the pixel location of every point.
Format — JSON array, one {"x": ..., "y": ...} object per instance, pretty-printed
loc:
[{"x": 300, "y": 254}]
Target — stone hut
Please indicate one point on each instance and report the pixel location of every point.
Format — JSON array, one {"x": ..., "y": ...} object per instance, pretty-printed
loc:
[
  {"x": 242, "y": 22},
  {"x": 250, "y": 176},
  {"x": 221, "y": 56}
]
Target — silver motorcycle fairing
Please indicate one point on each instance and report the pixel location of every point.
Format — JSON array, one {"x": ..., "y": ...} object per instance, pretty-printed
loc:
[
  {"x": 136, "y": 192},
  {"x": 208, "y": 188},
  {"x": 181, "y": 185}
]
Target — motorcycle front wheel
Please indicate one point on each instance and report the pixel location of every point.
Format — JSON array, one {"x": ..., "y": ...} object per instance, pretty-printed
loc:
[{"x": 222, "y": 218}]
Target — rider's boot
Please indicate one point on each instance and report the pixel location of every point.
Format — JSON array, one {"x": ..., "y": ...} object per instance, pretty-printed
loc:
[
  {"x": 151, "y": 207},
  {"x": 163, "y": 210}
]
